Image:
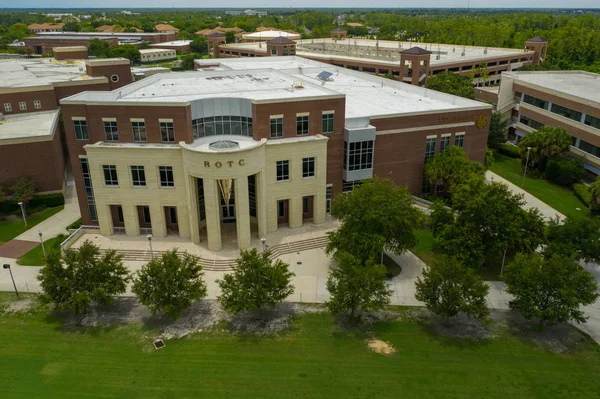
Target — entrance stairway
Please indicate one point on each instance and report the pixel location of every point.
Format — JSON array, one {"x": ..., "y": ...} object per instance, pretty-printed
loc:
[{"x": 224, "y": 265}]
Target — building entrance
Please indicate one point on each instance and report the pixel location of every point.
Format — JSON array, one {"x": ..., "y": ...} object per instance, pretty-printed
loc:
[{"x": 227, "y": 204}]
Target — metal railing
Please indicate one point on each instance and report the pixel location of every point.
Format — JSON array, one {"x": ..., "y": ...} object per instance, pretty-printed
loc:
[{"x": 66, "y": 244}]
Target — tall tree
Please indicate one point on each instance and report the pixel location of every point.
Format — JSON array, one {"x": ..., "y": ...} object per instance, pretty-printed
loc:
[
  {"x": 375, "y": 215},
  {"x": 170, "y": 284},
  {"x": 498, "y": 128},
  {"x": 256, "y": 282},
  {"x": 452, "y": 83},
  {"x": 452, "y": 166},
  {"x": 550, "y": 289},
  {"x": 449, "y": 288},
  {"x": 82, "y": 277},
  {"x": 578, "y": 238},
  {"x": 199, "y": 45},
  {"x": 71, "y": 26},
  {"x": 356, "y": 286},
  {"x": 23, "y": 189},
  {"x": 595, "y": 197},
  {"x": 544, "y": 143}
]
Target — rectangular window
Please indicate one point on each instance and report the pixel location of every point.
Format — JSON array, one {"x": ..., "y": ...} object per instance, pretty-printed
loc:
[
  {"x": 328, "y": 198},
  {"x": 252, "y": 194},
  {"x": 110, "y": 175},
  {"x": 425, "y": 186},
  {"x": 37, "y": 104},
  {"x": 348, "y": 186},
  {"x": 89, "y": 190},
  {"x": 566, "y": 112},
  {"x": 430, "y": 147},
  {"x": 459, "y": 139},
  {"x": 276, "y": 127},
  {"x": 110, "y": 131},
  {"x": 592, "y": 121},
  {"x": 120, "y": 217},
  {"x": 7, "y": 107},
  {"x": 281, "y": 208},
  {"x": 283, "y": 170},
  {"x": 146, "y": 211},
  {"x": 173, "y": 214},
  {"x": 327, "y": 122},
  {"x": 531, "y": 123},
  {"x": 302, "y": 125},
  {"x": 167, "y": 132},
  {"x": 138, "y": 130},
  {"x": 22, "y": 106},
  {"x": 305, "y": 203},
  {"x": 359, "y": 155},
  {"x": 589, "y": 148},
  {"x": 308, "y": 167},
  {"x": 444, "y": 142},
  {"x": 201, "y": 203},
  {"x": 81, "y": 129},
  {"x": 138, "y": 176},
  {"x": 166, "y": 176}
]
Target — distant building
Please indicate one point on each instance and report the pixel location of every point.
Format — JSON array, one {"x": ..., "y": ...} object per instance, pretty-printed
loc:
[
  {"x": 166, "y": 28},
  {"x": 45, "y": 27},
  {"x": 180, "y": 46},
  {"x": 246, "y": 12},
  {"x": 158, "y": 54}
]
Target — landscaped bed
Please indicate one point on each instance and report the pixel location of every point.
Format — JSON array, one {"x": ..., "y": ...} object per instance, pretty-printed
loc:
[{"x": 313, "y": 357}]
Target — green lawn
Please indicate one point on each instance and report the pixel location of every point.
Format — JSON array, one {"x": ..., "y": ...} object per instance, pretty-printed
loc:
[
  {"x": 426, "y": 247},
  {"x": 562, "y": 199},
  {"x": 9, "y": 230},
  {"x": 315, "y": 359},
  {"x": 35, "y": 257}
]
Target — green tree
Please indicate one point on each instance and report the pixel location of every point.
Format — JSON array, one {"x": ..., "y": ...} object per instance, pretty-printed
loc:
[
  {"x": 577, "y": 238},
  {"x": 17, "y": 32},
  {"x": 256, "y": 282},
  {"x": 170, "y": 284},
  {"x": 187, "y": 61},
  {"x": 550, "y": 289},
  {"x": 99, "y": 48},
  {"x": 230, "y": 37},
  {"x": 452, "y": 166},
  {"x": 128, "y": 51},
  {"x": 498, "y": 128},
  {"x": 565, "y": 169},
  {"x": 452, "y": 83},
  {"x": 23, "y": 189},
  {"x": 544, "y": 143},
  {"x": 3, "y": 192},
  {"x": 82, "y": 277},
  {"x": 449, "y": 288},
  {"x": 595, "y": 197},
  {"x": 375, "y": 215},
  {"x": 199, "y": 45},
  {"x": 356, "y": 286},
  {"x": 71, "y": 26}
]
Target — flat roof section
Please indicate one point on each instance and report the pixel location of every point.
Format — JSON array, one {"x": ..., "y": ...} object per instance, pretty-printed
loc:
[
  {"x": 580, "y": 84},
  {"x": 181, "y": 43},
  {"x": 28, "y": 125},
  {"x": 40, "y": 72}
]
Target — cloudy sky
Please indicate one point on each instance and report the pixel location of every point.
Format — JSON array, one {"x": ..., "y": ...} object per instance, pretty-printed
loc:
[{"x": 302, "y": 3}]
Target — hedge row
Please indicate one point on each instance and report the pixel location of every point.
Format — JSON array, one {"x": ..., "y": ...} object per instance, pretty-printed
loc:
[
  {"x": 38, "y": 201},
  {"x": 583, "y": 193},
  {"x": 509, "y": 150}
]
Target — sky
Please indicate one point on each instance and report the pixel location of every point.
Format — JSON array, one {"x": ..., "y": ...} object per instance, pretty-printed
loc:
[{"x": 244, "y": 4}]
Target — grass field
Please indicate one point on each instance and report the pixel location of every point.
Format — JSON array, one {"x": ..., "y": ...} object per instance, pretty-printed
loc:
[
  {"x": 426, "y": 247},
  {"x": 315, "y": 359},
  {"x": 562, "y": 199},
  {"x": 35, "y": 257},
  {"x": 9, "y": 230}
]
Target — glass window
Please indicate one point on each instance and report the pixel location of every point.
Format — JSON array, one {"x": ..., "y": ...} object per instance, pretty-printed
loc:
[
  {"x": 348, "y": 186},
  {"x": 328, "y": 198},
  {"x": 276, "y": 127},
  {"x": 305, "y": 204},
  {"x": 166, "y": 176},
  {"x": 252, "y": 195},
  {"x": 138, "y": 130},
  {"x": 308, "y": 167},
  {"x": 173, "y": 214},
  {"x": 120, "y": 217},
  {"x": 444, "y": 142},
  {"x": 566, "y": 112},
  {"x": 430, "y": 147},
  {"x": 201, "y": 203},
  {"x": 138, "y": 176},
  {"x": 425, "y": 186},
  {"x": 22, "y": 106},
  {"x": 535, "y": 101},
  {"x": 302, "y": 125},
  {"x": 281, "y": 208},
  {"x": 459, "y": 140},
  {"x": 81, "y": 130},
  {"x": 110, "y": 131},
  {"x": 89, "y": 190},
  {"x": 592, "y": 121},
  {"x": 167, "y": 132},
  {"x": 7, "y": 107},
  {"x": 146, "y": 211},
  {"x": 589, "y": 148},
  {"x": 37, "y": 104},
  {"x": 283, "y": 170},
  {"x": 327, "y": 123},
  {"x": 530, "y": 122},
  {"x": 358, "y": 155},
  {"x": 110, "y": 175}
]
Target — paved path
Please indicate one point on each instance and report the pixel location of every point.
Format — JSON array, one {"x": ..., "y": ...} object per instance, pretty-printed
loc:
[{"x": 17, "y": 248}]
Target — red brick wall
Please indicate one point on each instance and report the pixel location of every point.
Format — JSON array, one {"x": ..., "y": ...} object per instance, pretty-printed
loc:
[
  {"x": 45, "y": 96},
  {"x": 123, "y": 72}
]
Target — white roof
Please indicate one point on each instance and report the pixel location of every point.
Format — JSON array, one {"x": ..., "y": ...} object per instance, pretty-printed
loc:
[
  {"x": 173, "y": 43},
  {"x": 154, "y": 50},
  {"x": 270, "y": 34},
  {"x": 585, "y": 85},
  {"x": 278, "y": 78},
  {"x": 32, "y": 124},
  {"x": 40, "y": 72}
]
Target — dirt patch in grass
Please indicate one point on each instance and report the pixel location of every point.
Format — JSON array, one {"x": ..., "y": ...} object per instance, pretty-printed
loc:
[
  {"x": 459, "y": 326},
  {"x": 22, "y": 305},
  {"x": 380, "y": 347}
]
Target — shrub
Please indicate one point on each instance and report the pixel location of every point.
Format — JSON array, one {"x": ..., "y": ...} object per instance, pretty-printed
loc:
[
  {"x": 583, "y": 193},
  {"x": 509, "y": 150},
  {"x": 48, "y": 200},
  {"x": 75, "y": 225},
  {"x": 565, "y": 169}
]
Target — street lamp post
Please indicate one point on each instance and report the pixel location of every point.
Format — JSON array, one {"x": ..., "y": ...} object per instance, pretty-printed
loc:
[
  {"x": 503, "y": 259},
  {"x": 263, "y": 240},
  {"x": 526, "y": 162},
  {"x": 23, "y": 213},
  {"x": 7, "y": 266},
  {"x": 149, "y": 237},
  {"x": 42, "y": 242}
]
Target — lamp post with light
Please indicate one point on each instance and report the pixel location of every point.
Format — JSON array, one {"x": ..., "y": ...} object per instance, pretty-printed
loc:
[
  {"x": 526, "y": 162},
  {"x": 23, "y": 212},
  {"x": 42, "y": 242},
  {"x": 7, "y": 266},
  {"x": 263, "y": 240},
  {"x": 149, "y": 237}
]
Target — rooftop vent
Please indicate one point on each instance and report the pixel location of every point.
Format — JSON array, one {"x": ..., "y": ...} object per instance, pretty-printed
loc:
[
  {"x": 325, "y": 75},
  {"x": 223, "y": 145}
]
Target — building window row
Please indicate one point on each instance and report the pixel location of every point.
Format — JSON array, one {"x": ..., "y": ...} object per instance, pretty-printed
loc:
[
  {"x": 589, "y": 148},
  {"x": 358, "y": 155},
  {"x": 530, "y": 122},
  {"x": 138, "y": 176},
  {"x": 223, "y": 124},
  {"x": 89, "y": 189},
  {"x": 535, "y": 101},
  {"x": 302, "y": 124},
  {"x": 348, "y": 186},
  {"x": 37, "y": 104},
  {"x": 554, "y": 108},
  {"x": 138, "y": 130},
  {"x": 592, "y": 121}
]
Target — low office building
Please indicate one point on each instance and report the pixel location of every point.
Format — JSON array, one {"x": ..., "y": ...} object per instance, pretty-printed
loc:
[
  {"x": 566, "y": 99},
  {"x": 31, "y": 146},
  {"x": 180, "y": 46},
  {"x": 157, "y": 55},
  {"x": 241, "y": 147}
]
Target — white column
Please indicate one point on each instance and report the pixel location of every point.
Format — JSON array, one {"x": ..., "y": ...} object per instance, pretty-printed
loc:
[
  {"x": 131, "y": 219},
  {"x": 261, "y": 203},
  {"x": 157, "y": 218},
  {"x": 104, "y": 219},
  {"x": 213, "y": 214},
  {"x": 319, "y": 207},
  {"x": 295, "y": 210},
  {"x": 242, "y": 212},
  {"x": 192, "y": 206}
]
